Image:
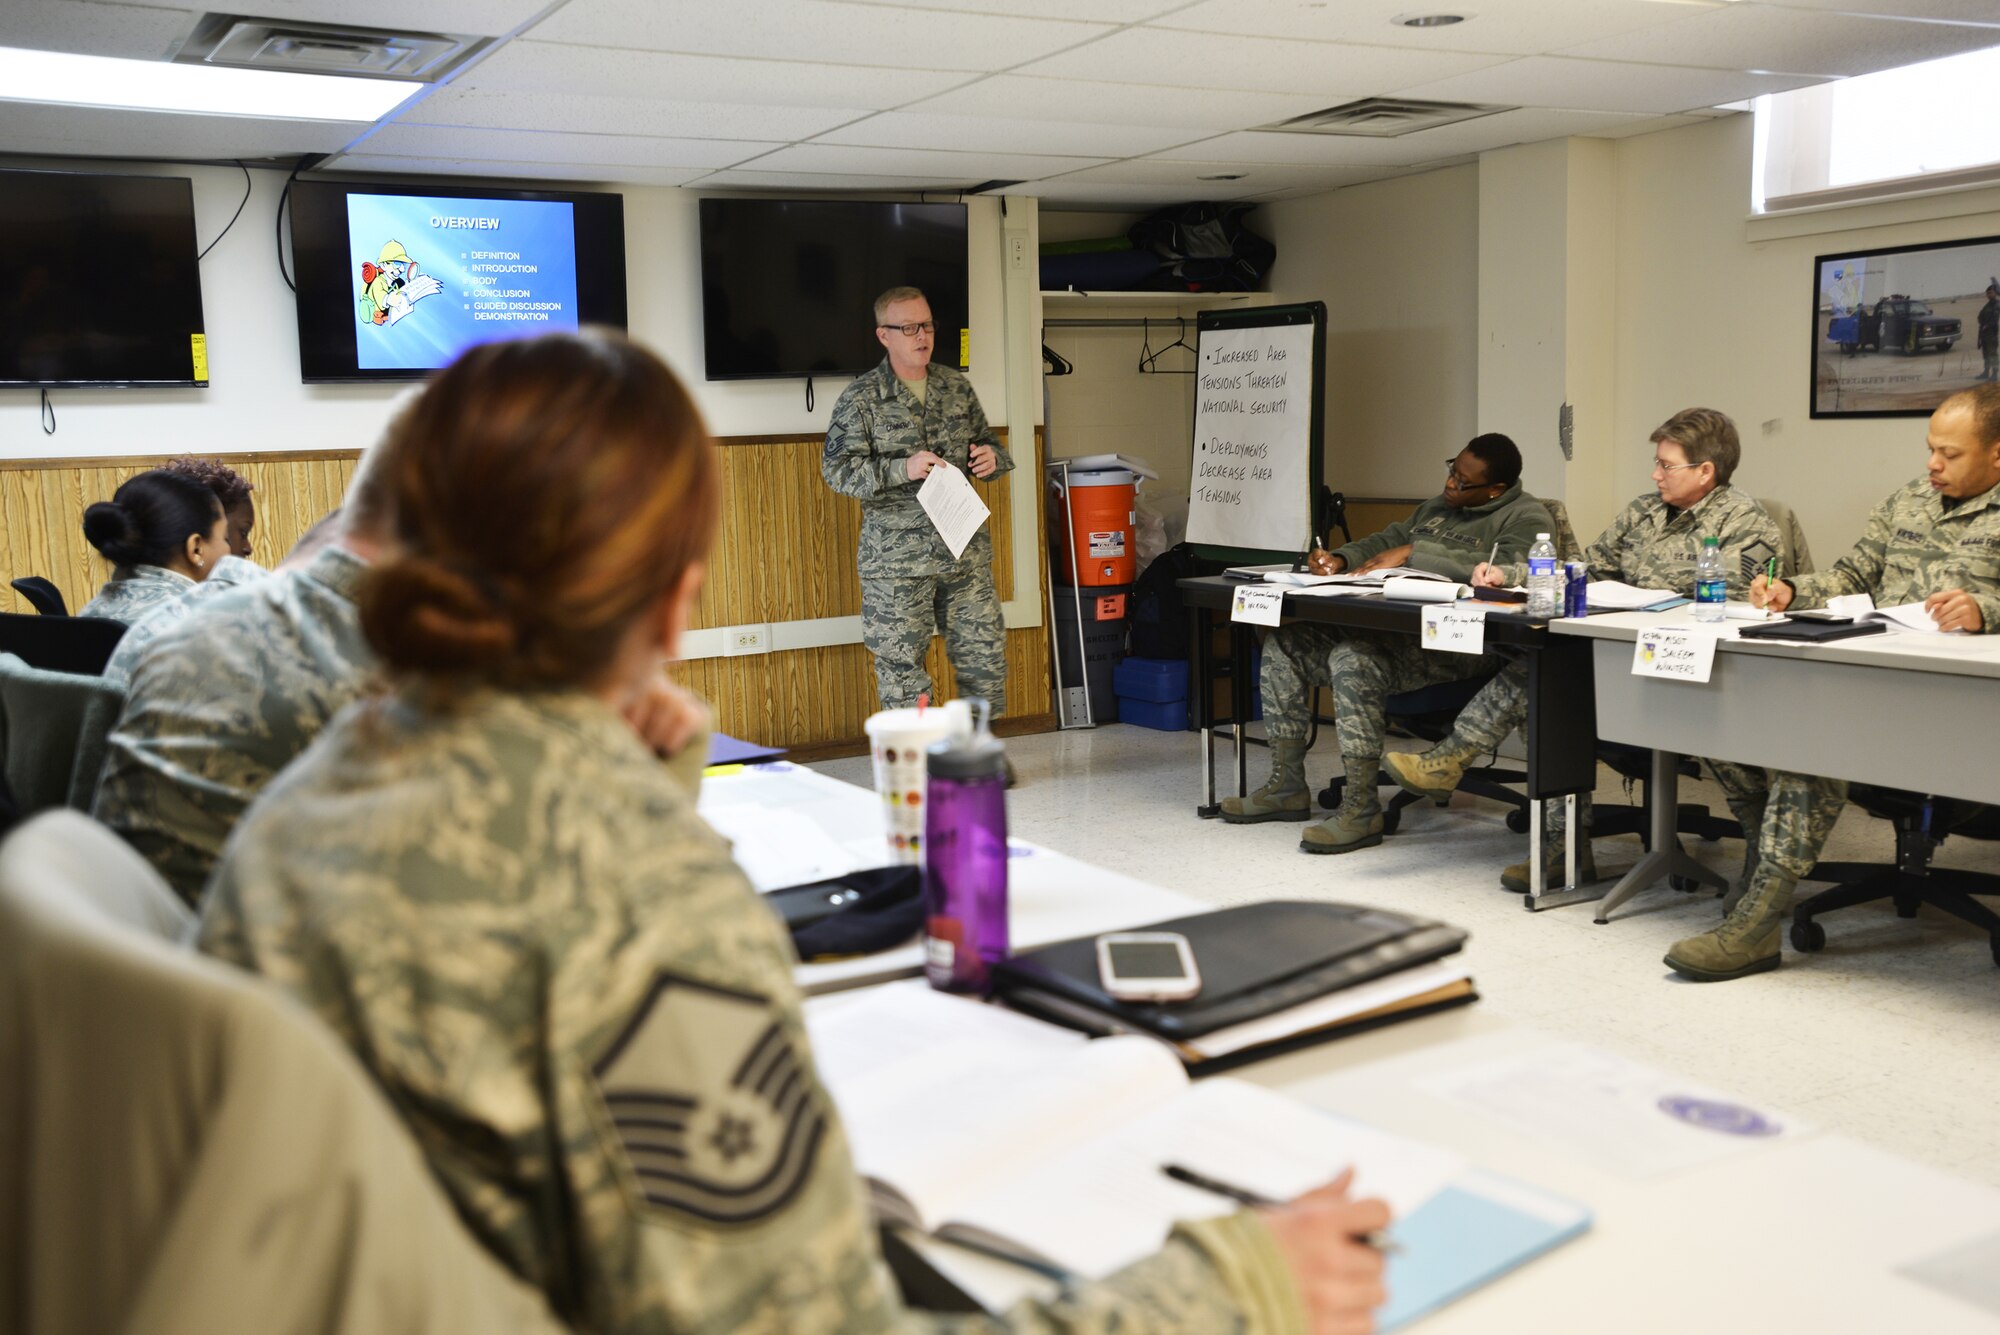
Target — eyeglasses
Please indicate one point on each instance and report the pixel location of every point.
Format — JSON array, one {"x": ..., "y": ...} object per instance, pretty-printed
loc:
[
  {"x": 1453, "y": 475},
  {"x": 911, "y": 330},
  {"x": 1661, "y": 466}
]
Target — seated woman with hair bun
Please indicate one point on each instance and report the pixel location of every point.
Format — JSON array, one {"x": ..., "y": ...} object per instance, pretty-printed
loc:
[
  {"x": 487, "y": 884},
  {"x": 163, "y": 534}
]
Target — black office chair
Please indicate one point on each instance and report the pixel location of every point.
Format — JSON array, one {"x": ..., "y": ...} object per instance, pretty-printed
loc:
[
  {"x": 61, "y": 643},
  {"x": 1427, "y": 714},
  {"x": 43, "y": 596},
  {"x": 1922, "y": 823}
]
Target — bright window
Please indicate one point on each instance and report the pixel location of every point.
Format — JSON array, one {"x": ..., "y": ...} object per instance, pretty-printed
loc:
[{"x": 1921, "y": 127}]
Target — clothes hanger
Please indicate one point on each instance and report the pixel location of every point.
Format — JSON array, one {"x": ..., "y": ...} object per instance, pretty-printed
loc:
[{"x": 1149, "y": 359}]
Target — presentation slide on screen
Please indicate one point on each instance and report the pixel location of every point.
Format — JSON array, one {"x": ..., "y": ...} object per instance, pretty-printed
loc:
[{"x": 433, "y": 276}]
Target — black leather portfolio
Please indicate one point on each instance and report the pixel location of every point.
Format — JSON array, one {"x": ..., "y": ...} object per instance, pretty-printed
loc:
[
  {"x": 1816, "y": 632},
  {"x": 1255, "y": 960}
]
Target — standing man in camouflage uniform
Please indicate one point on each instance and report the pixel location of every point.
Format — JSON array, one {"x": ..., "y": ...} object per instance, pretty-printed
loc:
[
  {"x": 1934, "y": 541},
  {"x": 1482, "y": 505},
  {"x": 890, "y": 428},
  {"x": 1652, "y": 544},
  {"x": 487, "y": 887}
]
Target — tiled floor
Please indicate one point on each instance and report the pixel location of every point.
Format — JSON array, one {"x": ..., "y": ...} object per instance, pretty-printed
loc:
[{"x": 1891, "y": 1034}]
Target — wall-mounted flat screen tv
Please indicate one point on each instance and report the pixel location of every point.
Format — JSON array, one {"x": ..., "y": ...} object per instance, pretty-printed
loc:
[
  {"x": 395, "y": 280},
  {"x": 788, "y": 285},
  {"x": 102, "y": 283}
]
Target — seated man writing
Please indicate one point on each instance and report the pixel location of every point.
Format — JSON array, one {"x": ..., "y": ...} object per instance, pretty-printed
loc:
[
  {"x": 1934, "y": 541},
  {"x": 1653, "y": 545},
  {"x": 1481, "y": 511}
]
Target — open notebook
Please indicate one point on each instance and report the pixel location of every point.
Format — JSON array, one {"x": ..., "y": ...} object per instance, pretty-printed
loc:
[{"x": 978, "y": 1125}]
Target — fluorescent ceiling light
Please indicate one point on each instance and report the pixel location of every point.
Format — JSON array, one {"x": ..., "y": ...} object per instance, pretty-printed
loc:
[{"x": 101, "y": 81}]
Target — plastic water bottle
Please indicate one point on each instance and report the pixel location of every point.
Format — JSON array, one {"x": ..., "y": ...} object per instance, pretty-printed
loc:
[
  {"x": 965, "y": 860},
  {"x": 1544, "y": 580},
  {"x": 1711, "y": 591}
]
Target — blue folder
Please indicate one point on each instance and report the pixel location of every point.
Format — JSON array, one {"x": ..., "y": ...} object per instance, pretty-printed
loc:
[{"x": 1470, "y": 1234}]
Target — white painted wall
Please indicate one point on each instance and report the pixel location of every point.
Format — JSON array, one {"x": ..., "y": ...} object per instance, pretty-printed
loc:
[
  {"x": 1397, "y": 264},
  {"x": 255, "y": 401},
  {"x": 1711, "y": 312}
]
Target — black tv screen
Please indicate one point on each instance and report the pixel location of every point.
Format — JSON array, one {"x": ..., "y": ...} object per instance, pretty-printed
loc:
[
  {"x": 395, "y": 280},
  {"x": 102, "y": 285},
  {"x": 788, "y": 285}
]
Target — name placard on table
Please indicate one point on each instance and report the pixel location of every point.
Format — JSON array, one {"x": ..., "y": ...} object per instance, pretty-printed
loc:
[
  {"x": 1257, "y": 604},
  {"x": 1455, "y": 628},
  {"x": 1674, "y": 652}
]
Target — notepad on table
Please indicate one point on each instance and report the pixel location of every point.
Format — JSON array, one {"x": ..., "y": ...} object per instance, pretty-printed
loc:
[{"x": 1034, "y": 1143}]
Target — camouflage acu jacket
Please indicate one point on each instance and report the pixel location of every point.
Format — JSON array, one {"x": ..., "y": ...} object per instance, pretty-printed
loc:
[
  {"x": 565, "y": 986},
  {"x": 221, "y": 702},
  {"x": 233, "y": 572},
  {"x": 1913, "y": 547},
  {"x": 1450, "y": 542},
  {"x": 1648, "y": 549},
  {"x": 134, "y": 591},
  {"x": 876, "y": 426}
]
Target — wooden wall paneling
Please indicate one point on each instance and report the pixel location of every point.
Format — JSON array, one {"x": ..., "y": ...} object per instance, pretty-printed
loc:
[{"x": 784, "y": 552}]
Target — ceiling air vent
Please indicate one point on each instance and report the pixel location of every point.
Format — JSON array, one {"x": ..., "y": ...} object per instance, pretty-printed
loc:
[
  {"x": 1384, "y": 117},
  {"x": 325, "y": 48}
]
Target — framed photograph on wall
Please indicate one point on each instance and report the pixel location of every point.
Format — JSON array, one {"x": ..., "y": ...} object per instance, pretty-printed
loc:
[{"x": 1896, "y": 331}]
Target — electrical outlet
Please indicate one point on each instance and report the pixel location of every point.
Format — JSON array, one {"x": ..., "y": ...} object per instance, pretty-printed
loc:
[
  {"x": 1017, "y": 252},
  {"x": 740, "y": 640}
]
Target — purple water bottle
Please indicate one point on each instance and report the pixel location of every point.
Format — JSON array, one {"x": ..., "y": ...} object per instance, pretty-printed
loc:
[{"x": 965, "y": 860}]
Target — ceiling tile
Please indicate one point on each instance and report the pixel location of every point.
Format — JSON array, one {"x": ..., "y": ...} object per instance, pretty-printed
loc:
[
  {"x": 998, "y": 134},
  {"x": 1094, "y": 11},
  {"x": 582, "y": 173},
  {"x": 1951, "y": 11},
  {"x": 113, "y": 132},
  {"x": 451, "y": 141},
  {"x": 523, "y": 66},
  {"x": 1268, "y": 146},
  {"x": 817, "y": 30},
  {"x": 1647, "y": 125},
  {"x": 1510, "y": 27},
  {"x": 1603, "y": 85},
  {"x": 737, "y": 178},
  {"x": 133, "y": 32},
  {"x": 918, "y": 162},
  {"x": 625, "y": 115},
  {"x": 1079, "y": 101},
  {"x": 1264, "y": 64},
  {"x": 1766, "y": 37},
  {"x": 1188, "y": 176}
]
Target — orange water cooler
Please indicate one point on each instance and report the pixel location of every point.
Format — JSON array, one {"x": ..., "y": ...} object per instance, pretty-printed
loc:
[{"x": 1098, "y": 549}]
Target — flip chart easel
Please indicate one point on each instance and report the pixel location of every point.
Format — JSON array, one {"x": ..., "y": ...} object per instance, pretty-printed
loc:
[{"x": 1258, "y": 427}]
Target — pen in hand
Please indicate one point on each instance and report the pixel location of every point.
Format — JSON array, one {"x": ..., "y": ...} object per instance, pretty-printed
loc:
[{"x": 1378, "y": 1240}]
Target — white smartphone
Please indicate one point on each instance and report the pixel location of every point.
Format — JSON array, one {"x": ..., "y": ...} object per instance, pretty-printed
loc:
[{"x": 1147, "y": 966}]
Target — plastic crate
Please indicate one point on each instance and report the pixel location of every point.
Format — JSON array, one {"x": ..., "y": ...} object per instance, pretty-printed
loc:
[
  {"x": 1155, "y": 679},
  {"x": 1163, "y": 715}
]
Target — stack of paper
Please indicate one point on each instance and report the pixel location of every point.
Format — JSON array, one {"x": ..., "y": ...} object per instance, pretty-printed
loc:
[{"x": 1609, "y": 595}]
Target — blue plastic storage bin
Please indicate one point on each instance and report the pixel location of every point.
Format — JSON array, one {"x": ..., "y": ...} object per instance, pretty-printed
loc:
[
  {"x": 1156, "y": 679},
  {"x": 1164, "y": 715}
]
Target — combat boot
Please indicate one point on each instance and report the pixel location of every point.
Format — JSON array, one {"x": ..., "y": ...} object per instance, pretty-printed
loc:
[
  {"x": 1515, "y": 878},
  {"x": 1284, "y": 795},
  {"x": 1434, "y": 773},
  {"x": 1750, "y": 815},
  {"x": 1747, "y": 941},
  {"x": 1358, "y": 822}
]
